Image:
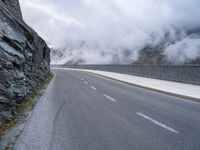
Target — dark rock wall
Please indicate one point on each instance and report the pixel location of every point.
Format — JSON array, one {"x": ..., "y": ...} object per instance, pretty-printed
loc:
[
  {"x": 14, "y": 7},
  {"x": 24, "y": 58}
]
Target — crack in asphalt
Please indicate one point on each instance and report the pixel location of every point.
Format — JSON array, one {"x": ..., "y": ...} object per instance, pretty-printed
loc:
[
  {"x": 54, "y": 122},
  {"x": 25, "y": 144}
]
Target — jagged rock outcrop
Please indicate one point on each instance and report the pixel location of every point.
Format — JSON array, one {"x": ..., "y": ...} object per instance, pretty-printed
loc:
[
  {"x": 14, "y": 7},
  {"x": 24, "y": 58}
]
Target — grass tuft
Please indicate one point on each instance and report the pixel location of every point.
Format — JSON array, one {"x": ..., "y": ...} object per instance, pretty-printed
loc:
[{"x": 27, "y": 103}]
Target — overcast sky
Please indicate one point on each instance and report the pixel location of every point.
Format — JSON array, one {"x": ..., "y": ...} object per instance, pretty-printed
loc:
[{"x": 98, "y": 30}]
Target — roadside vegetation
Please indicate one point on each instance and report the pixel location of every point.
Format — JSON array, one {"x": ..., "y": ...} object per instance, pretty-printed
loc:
[{"x": 27, "y": 104}]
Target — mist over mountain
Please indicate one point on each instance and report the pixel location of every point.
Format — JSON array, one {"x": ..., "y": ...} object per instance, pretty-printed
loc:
[{"x": 118, "y": 31}]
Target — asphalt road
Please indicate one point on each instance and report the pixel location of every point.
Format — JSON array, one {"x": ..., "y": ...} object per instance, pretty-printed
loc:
[{"x": 82, "y": 111}]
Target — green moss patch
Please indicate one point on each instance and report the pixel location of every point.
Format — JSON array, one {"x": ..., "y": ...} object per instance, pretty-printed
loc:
[{"x": 27, "y": 103}]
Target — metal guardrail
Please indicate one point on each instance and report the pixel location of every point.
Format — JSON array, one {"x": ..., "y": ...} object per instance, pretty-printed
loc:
[{"x": 179, "y": 73}]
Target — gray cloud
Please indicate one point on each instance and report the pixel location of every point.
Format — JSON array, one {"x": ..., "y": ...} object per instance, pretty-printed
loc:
[{"x": 102, "y": 31}]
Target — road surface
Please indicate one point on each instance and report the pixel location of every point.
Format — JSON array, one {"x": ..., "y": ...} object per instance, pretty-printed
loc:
[{"x": 82, "y": 111}]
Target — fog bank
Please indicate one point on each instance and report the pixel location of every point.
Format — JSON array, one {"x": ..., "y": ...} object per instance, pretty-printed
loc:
[{"x": 115, "y": 31}]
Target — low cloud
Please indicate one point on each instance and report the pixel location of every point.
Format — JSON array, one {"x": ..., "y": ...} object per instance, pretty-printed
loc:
[{"x": 113, "y": 31}]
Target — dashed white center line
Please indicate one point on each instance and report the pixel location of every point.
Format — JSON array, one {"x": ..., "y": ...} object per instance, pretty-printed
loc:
[
  {"x": 158, "y": 123},
  {"x": 82, "y": 79},
  {"x": 93, "y": 87},
  {"x": 110, "y": 98},
  {"x": 86, "y": 82}
]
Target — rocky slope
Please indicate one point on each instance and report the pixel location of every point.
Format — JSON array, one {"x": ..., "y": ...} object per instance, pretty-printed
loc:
[
  {"x": 24, "y": 58},
  {"x": 155, "y": 54}
]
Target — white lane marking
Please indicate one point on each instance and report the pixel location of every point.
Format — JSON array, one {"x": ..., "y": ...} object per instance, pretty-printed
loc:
[
  {"x": 110, "y": 98},
  {"x": 158, "y": 123},
  {"x": 93, "y": 87},
  {"x": 86, "y": 82},
  {"x": 82, "y": 79}
]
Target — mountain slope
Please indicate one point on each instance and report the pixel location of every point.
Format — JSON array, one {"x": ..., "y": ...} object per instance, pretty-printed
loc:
[{"x": 24, "y": 58}]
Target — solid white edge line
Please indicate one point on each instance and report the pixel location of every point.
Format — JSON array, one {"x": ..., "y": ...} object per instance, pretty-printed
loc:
[
  {"x": 93, "y": 87},
  {"x": 158, "y": 123},
  {"x": 110, "y": 98}
]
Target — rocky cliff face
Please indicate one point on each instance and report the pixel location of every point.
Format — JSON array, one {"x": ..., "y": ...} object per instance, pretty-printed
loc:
[
  {"x": 24, "y": 58},
  {"x": 14, "y": 7}
]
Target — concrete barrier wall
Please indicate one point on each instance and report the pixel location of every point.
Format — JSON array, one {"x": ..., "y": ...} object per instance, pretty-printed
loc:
[{"x": 186, "y": 74}]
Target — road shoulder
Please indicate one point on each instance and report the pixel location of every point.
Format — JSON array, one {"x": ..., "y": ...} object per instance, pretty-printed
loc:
[{"x": 12, "y": 129}]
